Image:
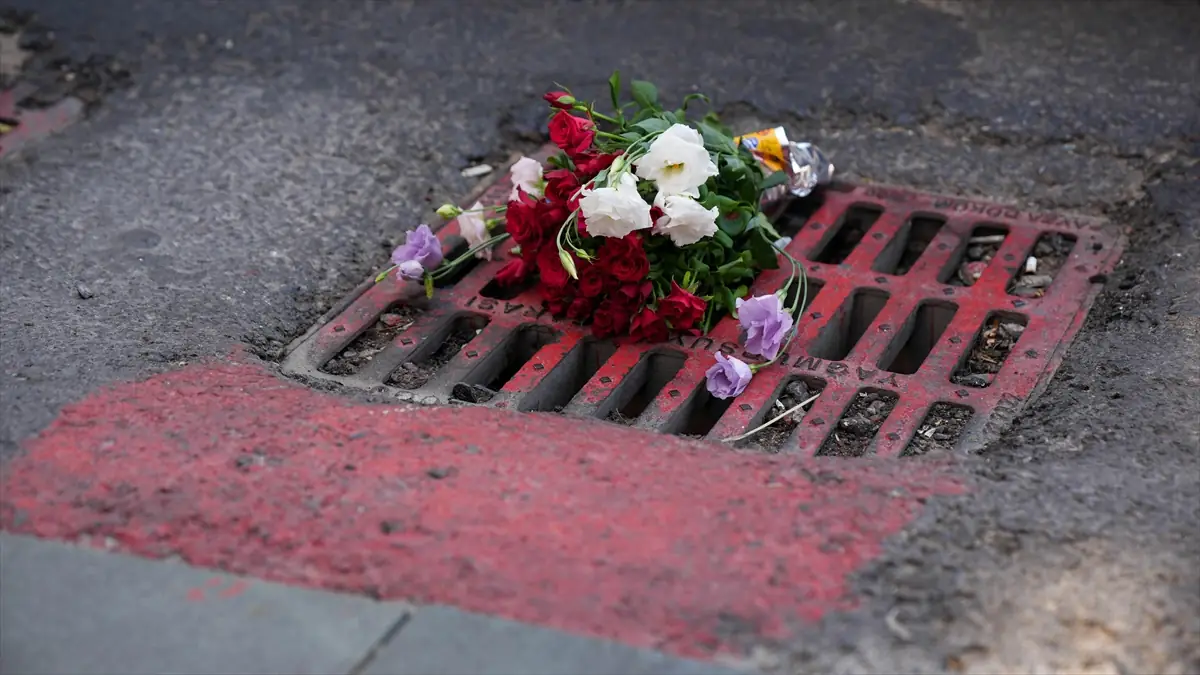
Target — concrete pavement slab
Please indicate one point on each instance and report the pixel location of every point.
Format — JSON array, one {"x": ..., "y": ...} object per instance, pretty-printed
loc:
[
  {"x": 68, "y": 609},
  {"x": 447, "y": 641}
]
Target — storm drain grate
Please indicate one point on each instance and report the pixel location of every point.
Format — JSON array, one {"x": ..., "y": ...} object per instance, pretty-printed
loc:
[
  {"x": 19, "y": 126},
  {"x": 928, "y": 329}
]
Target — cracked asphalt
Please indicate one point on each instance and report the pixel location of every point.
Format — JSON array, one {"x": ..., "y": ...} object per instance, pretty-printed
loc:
[{"x": 269, "y": 153}]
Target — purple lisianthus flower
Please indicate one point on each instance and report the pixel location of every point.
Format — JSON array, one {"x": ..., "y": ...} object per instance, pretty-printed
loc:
[
  {"x": 728, "y": 377},
  {"x": 410, "y": 269},
  {"x": 764, "y": 323},
  {"x": 421, "y": 248}
]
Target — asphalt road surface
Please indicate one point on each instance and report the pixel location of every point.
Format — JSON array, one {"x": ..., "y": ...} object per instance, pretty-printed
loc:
[{"x": 265, "y": 156}]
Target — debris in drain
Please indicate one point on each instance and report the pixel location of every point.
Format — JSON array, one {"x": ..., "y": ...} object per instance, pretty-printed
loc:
[
  {"x": 981, "y": 249},
  {"x": 940, "y": 430},
  {"x": 988, "y": 353},
  {"x": 413, "y": 375},
  {"x": 476, "y": 171},
  {"x": 616, "y": 416},
  {"x": 372, "y": 341},
  {"x": 859, "y": 424},
  {"x": 1050, "y": 253},
  {"x": 773, "y": 438},
  {"x": 471, "y": 393}
]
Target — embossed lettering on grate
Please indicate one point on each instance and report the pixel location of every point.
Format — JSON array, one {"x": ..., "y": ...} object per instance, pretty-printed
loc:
[{"x": 925, "y": 328}]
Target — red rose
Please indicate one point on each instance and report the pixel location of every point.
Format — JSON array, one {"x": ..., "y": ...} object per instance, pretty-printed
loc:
[
  {"x": 557, "y": 302},
  {"x": 593, "y": 281},
  {"x": 680, "y": 308},
  {"x": 591, "y": 163},
  {"x": 513, "y": 273},
  {"x": 656, "y": 213},
  {"x": 610, "y": 318},
  {"x": 624, "y": 258},
  {"x": 581, "y": 225},
  {"x": 553, "y": 96},
  {"x": 522, "y": 221},
  {"x": 551, "y": 269},
  {"x": 573, "y": 134},
  {"x": 648, "y": 326},
  {"x": 580, "y": 309},
  {"x": 561, "y": 185},
  {"x": 551, "y": 216},
  {"x": 635, "y": 294}
]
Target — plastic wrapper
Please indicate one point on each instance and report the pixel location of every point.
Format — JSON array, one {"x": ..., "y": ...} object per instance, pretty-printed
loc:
[{"x": 806, "y": 166}]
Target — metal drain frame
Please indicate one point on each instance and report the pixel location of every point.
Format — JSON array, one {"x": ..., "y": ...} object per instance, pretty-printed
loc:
[
  {"x": 33, "y": 124},
  {"x": 1053, "y": 321}
]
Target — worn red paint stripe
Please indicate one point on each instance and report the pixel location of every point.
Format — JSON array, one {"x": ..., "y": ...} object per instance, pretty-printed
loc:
[{"x": 580, "y": 525}]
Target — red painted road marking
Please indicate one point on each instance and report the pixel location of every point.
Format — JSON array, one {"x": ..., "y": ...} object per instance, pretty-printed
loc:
[{"x": 579, "y": 525}]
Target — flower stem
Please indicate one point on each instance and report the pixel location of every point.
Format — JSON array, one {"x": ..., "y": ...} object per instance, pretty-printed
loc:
[
  {"x": 605, "y": 134},
  {"x": 760, "y": 427},
  {"x": 443, "y": 269}
]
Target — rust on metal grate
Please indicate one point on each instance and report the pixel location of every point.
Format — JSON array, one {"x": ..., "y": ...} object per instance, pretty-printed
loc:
[{"x": 920, "y": 331}]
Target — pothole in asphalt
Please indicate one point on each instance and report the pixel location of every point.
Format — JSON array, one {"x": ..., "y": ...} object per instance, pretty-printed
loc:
[{"x": 912, "y": 333}]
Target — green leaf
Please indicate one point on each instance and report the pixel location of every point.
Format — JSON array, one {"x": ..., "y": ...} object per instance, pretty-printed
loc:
[
  {"x": 777, "y": 178},
  {"x": 670, "y": 117},
  {"x": 652, "y": 125},
  {"x": 715, "y": 139},
  {"x": 765, "y": 256},
  {"x": 725, "y": 298},
  {"x": 632, "y": 136},
  {"x": 645, "y": 93},
  {"x": 723, "y": 239},
  {"x": 694, "y": 97},
  {"x": 741, "y": 291},
  {"x": 614, "y": 89},
  {"x": 733, "y": 224}
]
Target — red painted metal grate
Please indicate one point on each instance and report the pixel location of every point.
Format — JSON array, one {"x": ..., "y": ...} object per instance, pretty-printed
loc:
[{"x": 906, "y": 347}]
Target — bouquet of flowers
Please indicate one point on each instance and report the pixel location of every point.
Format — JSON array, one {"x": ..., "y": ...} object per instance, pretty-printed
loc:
[{"x": 647, "y": 221}]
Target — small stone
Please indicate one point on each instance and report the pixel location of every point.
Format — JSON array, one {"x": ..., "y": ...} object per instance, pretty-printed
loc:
[
  {"x": 1027, "y": 292},
  {"x": 797, "y": 390},
  {"x": 975, "y": 252},
  {"x": 84, "y": 292},
  {"x": 477, "y": 171},
  {"x": 472, "y": 393},
  {"x": 876, "y": 409},
  {"x": 859, "y": 426},
  {"x": 1012, "y": 330},
  {"x": 1036, "y": 280},
  {"x": 391, "y": 320}
]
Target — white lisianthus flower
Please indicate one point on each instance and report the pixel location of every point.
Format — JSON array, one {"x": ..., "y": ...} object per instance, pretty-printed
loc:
[
  {"x": 615, "y": 211},
  {"x": 527, "y": 175},
  {"x": 677, "y": 162},
  {"x": 474, "y": 229},
  {"x": 686, "y": 221}
]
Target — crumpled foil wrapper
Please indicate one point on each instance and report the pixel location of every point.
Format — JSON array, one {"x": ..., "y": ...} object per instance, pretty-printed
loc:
[{"x": 806, "y": 166}]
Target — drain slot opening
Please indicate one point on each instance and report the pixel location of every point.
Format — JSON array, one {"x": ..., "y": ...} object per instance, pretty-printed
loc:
[
  {"x": 792, "y": 392},
  {"x": 922, "y": 331},
  {"x": 905, "y": 249},
  {"x": 797, "y": 213},
  {"x": 459, "y": 247},
  {"x": 1037, "y": 271},
  {"x": 566, "y": 379},
  {"x": 859, "y": 424},
  {"x": 394, "y": 320},
  {"x": 814, "y": 287},
  {"x": 845, "y": 236},
  {"x": 639, "y": 388},
  {"x": 974, "y": 255},
  {"x": 940, "y": 431},
  {"x": 507, "y": 360},
  {"x": 437, "y": 351},
  {"x": 698, "y": 415},
  {"x": 848, "y": 324},
  {"x": 993, "y": 343}
]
